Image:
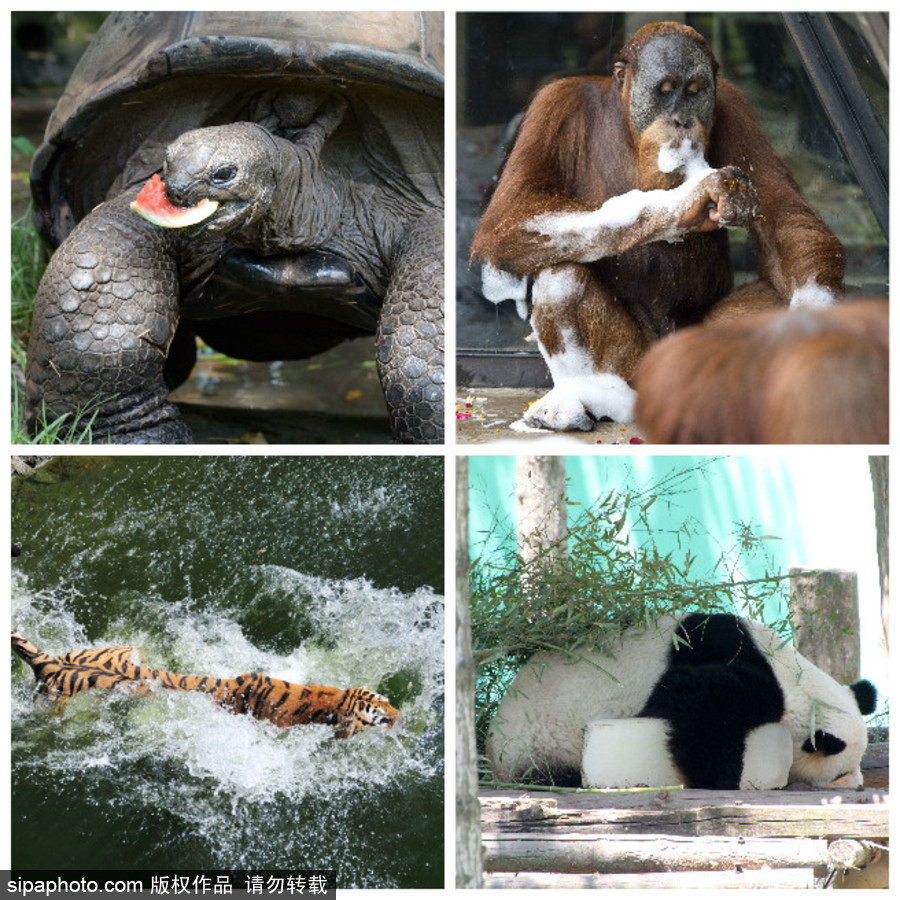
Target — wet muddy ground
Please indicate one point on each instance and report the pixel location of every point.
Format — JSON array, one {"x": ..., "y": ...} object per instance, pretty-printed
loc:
[{"x": 485, "y": 415}]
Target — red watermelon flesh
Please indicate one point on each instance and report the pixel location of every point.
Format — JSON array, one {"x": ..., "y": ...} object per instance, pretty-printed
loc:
[{"x": 154, "y": 206}]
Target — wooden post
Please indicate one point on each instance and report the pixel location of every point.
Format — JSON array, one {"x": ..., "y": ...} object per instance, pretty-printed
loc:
[
  {"x": 541, "y": 520},
  {"x": 541, "y": 494},
  {"x": 468, "y": 809},
  {"x": 826, "y": 619}
]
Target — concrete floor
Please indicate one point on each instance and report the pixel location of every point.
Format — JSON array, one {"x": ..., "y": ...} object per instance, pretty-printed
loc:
[{"x": 485, "y": 415}]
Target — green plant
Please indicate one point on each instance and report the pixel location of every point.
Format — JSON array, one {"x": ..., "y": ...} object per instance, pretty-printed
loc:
[
  {"x": 22, "y": 146},
  {"x": 69, "y": 428},
  {"x": 28, "y": 255},
  {"x": 604, "y": 575},
  {"x": 28, "y": 261}
]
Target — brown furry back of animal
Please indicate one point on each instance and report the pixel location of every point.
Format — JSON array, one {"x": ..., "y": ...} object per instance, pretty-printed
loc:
[
  {"x": 281, "y": 702},
  {"x": 798, "y": 377}
]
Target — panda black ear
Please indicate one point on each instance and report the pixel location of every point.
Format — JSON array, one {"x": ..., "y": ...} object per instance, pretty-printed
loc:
[
  {"x": 826, "y": 742},
  {"x": 866, "y": 696}
]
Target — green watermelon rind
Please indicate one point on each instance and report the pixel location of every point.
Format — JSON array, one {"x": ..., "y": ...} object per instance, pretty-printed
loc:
[{"x": 191, "y": 215}]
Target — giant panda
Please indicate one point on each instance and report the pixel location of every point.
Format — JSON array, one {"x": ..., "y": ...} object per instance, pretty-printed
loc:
[{"x": 713, "y": 677}]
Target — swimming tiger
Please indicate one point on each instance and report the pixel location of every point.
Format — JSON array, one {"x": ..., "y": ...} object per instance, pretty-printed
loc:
[{"x": 281, "y": 702}]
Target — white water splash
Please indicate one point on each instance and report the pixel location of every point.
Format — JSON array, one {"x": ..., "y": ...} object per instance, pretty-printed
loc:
[{"x": 239, "y": 785}]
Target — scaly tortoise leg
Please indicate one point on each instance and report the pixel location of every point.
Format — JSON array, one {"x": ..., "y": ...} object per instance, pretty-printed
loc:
[
  {"x": 410, "y": 337},
  {"x": 105, "y": 315}
]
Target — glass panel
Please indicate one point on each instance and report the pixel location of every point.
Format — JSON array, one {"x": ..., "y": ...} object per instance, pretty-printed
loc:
[{"x": 504, "y": 58}]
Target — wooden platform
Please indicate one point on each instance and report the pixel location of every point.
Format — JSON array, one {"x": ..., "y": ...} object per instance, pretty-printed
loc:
[{"x": 684, "y": 838}]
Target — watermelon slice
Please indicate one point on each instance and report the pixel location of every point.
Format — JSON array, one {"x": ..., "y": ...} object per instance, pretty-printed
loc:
[{"x": 154, "y": 206}]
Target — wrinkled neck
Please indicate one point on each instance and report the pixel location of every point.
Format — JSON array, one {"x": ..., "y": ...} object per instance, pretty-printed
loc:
[{"x": 305, "y": 206}]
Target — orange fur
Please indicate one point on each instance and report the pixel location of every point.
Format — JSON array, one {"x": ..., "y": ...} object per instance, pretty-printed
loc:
[
  {"x": 281, "y": 702},
  {"x": 576, "y": 149},
  {"x": 805, "y": 376}
]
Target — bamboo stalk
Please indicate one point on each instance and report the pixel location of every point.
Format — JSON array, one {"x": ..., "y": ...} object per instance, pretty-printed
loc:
[{"x": 512, "y": 786}]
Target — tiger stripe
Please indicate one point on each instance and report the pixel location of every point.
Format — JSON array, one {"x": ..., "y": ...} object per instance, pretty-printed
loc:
[{"x": 281, "y": 702}]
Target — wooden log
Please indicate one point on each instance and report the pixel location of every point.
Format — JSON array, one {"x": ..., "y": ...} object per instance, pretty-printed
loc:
[
  {"x": 760, "y": 879},
  {"x": 518, "y": 809},
  {"x": 849, "y": 854},
  {"x": 618, "y": 854},
  {"x": 859, "y": 814},
  {"x": 825, "y": 610},
  {"x": 874, "y": 875}
]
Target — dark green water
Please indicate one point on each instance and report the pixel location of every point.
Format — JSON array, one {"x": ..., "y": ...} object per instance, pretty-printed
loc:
[{"x": 313, "y": 569}]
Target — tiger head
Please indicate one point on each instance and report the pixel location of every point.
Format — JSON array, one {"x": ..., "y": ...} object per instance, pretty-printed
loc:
[{"x": 362, "y": 709}]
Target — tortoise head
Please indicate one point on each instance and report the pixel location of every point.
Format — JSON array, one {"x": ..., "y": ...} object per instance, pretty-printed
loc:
[{"x": 236, "y": 165}]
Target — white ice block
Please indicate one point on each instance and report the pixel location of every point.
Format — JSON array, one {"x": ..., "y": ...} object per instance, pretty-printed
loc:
[
  {"x": 768, "y": 757},
  {"x": 623, "y": 753}
]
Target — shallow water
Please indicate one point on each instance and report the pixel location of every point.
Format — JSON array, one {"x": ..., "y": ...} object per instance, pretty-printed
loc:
[{"x": 323, "y": 570}]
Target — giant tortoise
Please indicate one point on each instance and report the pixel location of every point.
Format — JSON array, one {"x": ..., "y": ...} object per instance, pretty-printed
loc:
[{"x": 319, "y": 135}]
